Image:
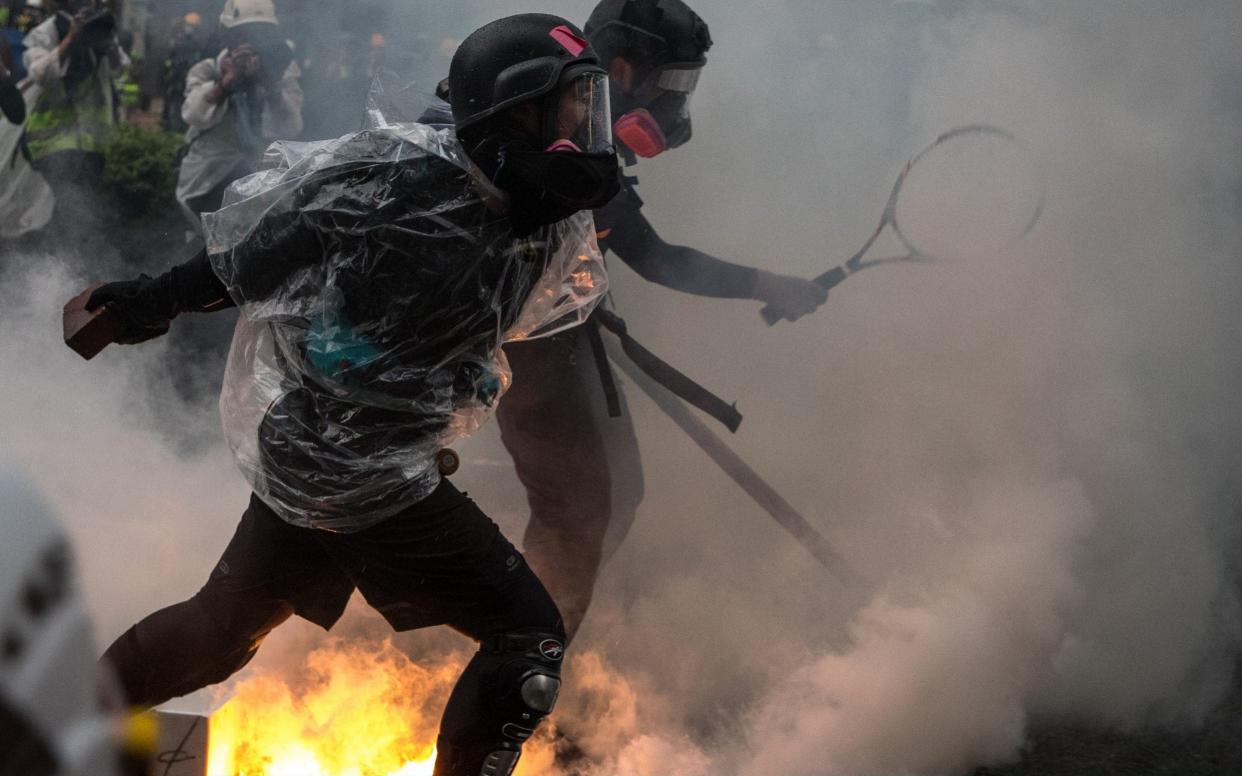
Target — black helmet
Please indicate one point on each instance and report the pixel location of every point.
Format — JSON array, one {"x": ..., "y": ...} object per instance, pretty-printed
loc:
[
  {"x": 651, "y": 32},
  {"x": 666, "y": 44},
  {"x": 512, "y": 60}
]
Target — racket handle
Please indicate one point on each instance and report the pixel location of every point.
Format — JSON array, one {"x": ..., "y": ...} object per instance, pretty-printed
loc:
[
  {"x": 832, "y": 278},
  {"x": 826, "y": 281}
]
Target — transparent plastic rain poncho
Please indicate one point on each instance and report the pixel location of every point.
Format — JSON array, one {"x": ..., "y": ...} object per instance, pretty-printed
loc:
[{"x": 375, "y": 290}]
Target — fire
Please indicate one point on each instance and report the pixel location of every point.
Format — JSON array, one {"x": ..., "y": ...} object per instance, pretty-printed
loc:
[
  {"x": 352, "y": 710},
  {"x": 366, "y": 709}
]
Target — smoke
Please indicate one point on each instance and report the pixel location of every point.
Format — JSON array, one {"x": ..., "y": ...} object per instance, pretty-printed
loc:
[
  {"x": 141, "y": 513},
  {"x": 1031, "y": 457}
]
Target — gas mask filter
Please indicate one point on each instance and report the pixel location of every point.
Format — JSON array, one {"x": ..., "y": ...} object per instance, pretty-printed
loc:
[{"x": 663, "y": 120}]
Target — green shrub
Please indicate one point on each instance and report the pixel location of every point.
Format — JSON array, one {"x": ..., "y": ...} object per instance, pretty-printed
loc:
[{"x": 140, "y": 170}]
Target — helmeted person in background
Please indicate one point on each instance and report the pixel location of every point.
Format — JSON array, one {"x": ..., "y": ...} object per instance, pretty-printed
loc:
[
  {"x": 654, "y": 51},
  {"x": 236, "y": 104},
  {"x": 187, "y": 45},
  {"x": 72, "y": 58},
  {"x": 13, "y": 29},
  {"x": 378, "y": 275},
  {"x": 33, "y": 13},
  {"x": 54, "y": 719}
]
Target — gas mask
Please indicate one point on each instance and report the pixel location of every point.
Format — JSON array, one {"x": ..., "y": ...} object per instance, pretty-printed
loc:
[
  {"x": 574, "y": 165},
  {"x": 547, "y": 186},
  {"x": 661, "y": 118}
]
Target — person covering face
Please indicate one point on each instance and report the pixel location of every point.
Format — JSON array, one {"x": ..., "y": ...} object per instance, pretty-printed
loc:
[
  {"x": 235, "y": 104},
  {"x": 377, "y": 276}
]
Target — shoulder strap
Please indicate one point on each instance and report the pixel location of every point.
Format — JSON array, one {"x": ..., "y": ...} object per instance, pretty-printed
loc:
[{"x": 688, "y": 390}]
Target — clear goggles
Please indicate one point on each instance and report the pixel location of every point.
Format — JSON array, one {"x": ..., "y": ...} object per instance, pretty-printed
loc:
[
  {"x": 581, "y": 115},
  {"x": 682, "y": 77}
]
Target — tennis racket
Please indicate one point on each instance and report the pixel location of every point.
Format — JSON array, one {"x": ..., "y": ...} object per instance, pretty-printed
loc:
[{"x": 973, "y": 192}]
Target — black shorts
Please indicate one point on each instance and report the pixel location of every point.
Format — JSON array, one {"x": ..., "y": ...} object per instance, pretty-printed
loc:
[{"x": 439, "y": 562}]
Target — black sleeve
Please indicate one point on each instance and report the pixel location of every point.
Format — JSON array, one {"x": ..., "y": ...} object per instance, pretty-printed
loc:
[
  {"x": 339, "y": 205},
  {"x": 625, "y": 231},
  {"x": 191, "y": 286},
  {"x": 280, "y": 243}
]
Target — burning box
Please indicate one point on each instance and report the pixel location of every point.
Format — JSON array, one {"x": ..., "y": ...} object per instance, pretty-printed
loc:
[
  {"x": 181, "y": 746},
  {"x": 356, "y": 709}
]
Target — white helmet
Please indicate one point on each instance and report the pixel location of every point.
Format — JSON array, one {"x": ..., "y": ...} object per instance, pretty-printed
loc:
[
  {"x": 247, "y": 11},
  {"x": 49, "y": 690}
]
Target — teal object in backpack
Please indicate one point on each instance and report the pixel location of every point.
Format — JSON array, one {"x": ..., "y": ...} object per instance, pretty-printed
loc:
[{"x": 336, "y": 349}]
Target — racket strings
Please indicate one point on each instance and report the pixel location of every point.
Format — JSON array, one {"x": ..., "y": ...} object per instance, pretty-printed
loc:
[{"x": 971, "y": 195}]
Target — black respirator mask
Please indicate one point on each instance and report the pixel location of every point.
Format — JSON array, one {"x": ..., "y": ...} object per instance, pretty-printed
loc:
[
  {"x": 550, "y": 185},
  {"x": 577, "y": 168}
]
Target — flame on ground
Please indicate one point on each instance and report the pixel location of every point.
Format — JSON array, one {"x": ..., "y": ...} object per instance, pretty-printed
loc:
[
  {"x": 367, "y": 709},
  {"x": 351, "y": 710}
]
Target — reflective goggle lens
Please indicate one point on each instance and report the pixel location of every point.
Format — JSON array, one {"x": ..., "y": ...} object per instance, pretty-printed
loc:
[{"x": 683, "y": 80}]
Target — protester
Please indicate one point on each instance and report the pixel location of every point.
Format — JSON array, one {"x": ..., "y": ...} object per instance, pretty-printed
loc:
[
  {"x": 33, "y": 13},
  {"x": 13, "y": 29},
  {"x": 654, "y": 51},
  {"x": 378, "y": 275},
  {"x": 71, "y": 58}
]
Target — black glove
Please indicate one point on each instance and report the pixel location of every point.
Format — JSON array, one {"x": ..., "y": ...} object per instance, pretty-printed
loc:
[
  {"x": 790, "y": 297},
  {"x": 141, "y": 305}
]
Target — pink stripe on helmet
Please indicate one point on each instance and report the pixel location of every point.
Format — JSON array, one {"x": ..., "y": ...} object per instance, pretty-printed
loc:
[{"x": 569, "y": 39}]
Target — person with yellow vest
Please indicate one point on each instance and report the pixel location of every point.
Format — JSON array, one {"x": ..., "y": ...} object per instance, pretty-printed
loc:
[{"x": 72, "y": 57}]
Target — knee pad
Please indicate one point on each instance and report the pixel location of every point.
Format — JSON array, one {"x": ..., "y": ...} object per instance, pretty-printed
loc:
[
  {"x": 528, "y": 680},
  {"x": 518, "y": 677}
]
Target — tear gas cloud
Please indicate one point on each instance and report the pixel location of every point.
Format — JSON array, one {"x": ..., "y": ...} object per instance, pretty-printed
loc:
[{"x": 1030, "y": 457}]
